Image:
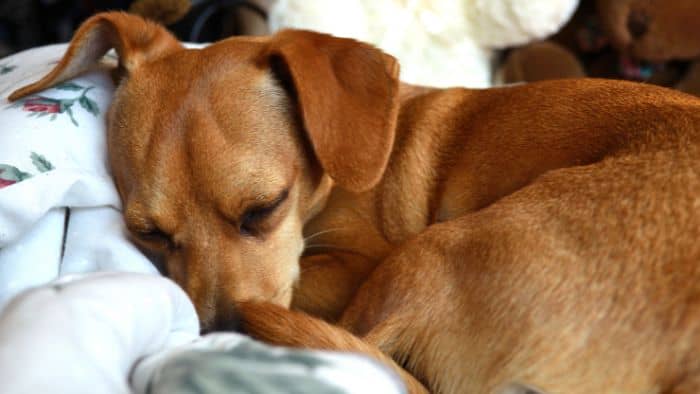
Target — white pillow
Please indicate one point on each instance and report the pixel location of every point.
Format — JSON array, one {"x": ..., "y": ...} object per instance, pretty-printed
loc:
[{"x": 53, "y": 157}]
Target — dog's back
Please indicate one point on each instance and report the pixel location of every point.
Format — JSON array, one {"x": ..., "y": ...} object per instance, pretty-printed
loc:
[
  {"x": 585, "y": 280},
  {"x": 601, "y": 263}
]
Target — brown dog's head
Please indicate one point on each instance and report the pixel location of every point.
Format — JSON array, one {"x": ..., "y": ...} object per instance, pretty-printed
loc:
[{"x": 221, "y": 154}]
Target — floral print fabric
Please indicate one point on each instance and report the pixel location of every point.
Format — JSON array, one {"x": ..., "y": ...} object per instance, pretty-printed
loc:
[{"x": 55, "y": 187}]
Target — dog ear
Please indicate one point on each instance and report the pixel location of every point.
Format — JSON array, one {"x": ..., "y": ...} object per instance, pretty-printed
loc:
[
  {"x": 347, "y": 94},
  {"x": 135, "y": 40}
]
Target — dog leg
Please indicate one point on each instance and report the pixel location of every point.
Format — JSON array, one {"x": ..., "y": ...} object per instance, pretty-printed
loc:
[
  {"x": 279, "y": 326},
  {"x": 328, "y": 283}
]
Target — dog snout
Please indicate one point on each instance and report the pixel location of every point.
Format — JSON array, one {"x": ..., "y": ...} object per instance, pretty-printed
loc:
[{"x": 227, "y": 320}]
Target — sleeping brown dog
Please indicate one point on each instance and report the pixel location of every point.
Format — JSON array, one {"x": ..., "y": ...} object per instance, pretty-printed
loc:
[{"x": 546, "y": 235}]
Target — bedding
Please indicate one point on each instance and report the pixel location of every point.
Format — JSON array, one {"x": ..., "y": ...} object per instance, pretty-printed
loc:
[
  {"x": 55, "y": 189},
  {"x": 229, "y": 362},
  {"x": 81, "y": 308}
]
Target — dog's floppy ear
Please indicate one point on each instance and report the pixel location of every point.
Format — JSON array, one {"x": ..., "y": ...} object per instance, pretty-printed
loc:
[
  {"x": 347, "y": 93},
  {"x": 135, "y": 40}
]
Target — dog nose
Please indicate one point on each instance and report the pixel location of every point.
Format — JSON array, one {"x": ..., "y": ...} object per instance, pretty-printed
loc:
[
  {"x": 637, "y": 24},
  {"x": 227, "y": 320}
]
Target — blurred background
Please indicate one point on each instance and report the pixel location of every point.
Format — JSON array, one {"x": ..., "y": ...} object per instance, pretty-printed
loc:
[
  {"x": 475, "y": 43},
  {"x": 28, "y": 23}
]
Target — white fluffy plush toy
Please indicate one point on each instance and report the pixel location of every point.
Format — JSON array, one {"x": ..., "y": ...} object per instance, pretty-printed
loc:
[{"x": 438, "y": 42}]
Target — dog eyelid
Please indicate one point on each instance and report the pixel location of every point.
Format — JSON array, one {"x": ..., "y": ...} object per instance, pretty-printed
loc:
[
  {"x": 155, "y": 234},
  {"x": 253, "y": 215}
]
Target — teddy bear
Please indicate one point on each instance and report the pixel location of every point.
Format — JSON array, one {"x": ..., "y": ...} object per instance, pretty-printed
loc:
[
  {"x": 439, "y": 43},
  {"x": 654, "y": 41}
]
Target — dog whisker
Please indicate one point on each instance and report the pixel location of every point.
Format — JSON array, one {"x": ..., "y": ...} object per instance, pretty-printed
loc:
[
  {"x": 314, "y": 235},
  {"x": 319, "y": 246},
  {"x": 323, "y": 246}
]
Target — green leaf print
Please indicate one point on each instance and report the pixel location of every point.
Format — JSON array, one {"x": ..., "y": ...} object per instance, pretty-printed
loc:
[
  {"x": 89, "y": 105},
  {"x": 12, "y": 173},
  {"x": 69, "y": 86},
  {"x": 9, "y": 174},
  {"x": 6, "y": 69},
  {"x": 41, "y": 163}
]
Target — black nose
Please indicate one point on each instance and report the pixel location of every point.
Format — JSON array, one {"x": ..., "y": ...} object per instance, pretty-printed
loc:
[
  {"x": 224, "y": 321},
  {"x": 638, "y": 24}
]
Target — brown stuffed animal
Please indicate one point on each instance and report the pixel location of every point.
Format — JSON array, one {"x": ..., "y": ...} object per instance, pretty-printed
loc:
[
  {"x": 541, "y": 61},
  {"x": 653, "y": 30},
  {"x": 656, "y": 31},
  {"x": 239, "y": 20},
  {"x": 163, "y": 11},
  {"x": 655, "y": 41}
]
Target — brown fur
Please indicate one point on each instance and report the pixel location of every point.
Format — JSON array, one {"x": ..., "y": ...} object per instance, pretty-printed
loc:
[{"x": 543, "y": 234}]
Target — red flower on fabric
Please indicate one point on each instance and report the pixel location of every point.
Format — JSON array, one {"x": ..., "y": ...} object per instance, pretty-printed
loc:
[
  {"x": 6, "y": 182},
  {"x": 42, "y": 105}
]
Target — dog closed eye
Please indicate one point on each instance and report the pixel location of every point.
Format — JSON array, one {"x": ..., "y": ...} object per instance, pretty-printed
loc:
[
  {"x": 519, "y": 388},
  {"x": 250, "y": 223},
  {"x": 153, "y": 238}
]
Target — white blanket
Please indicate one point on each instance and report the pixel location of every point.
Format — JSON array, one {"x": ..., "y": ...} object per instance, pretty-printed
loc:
[{"x": 83, "y": 334}]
